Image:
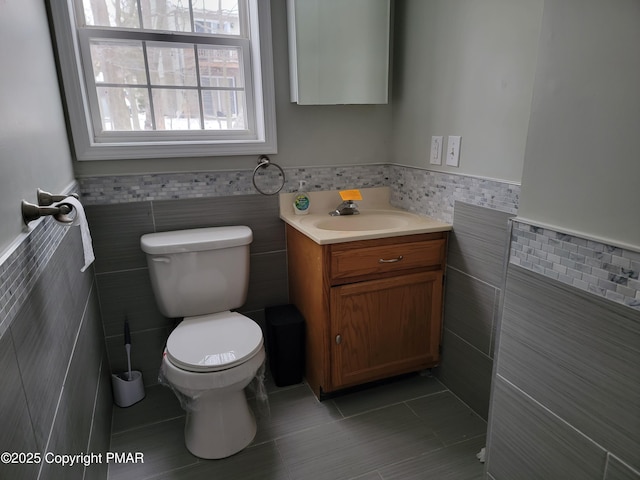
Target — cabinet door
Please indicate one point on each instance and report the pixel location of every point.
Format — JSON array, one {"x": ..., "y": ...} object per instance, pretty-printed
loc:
[
  {"x": 385, "y": 327},
  {"x": 339, "y": 51}
]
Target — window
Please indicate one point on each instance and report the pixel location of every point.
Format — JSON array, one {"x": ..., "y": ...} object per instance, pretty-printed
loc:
[{"x": 166, "y": 78}]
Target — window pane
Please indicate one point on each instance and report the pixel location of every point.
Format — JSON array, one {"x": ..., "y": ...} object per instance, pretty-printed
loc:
[
  {"x": 124, "y": 109},
  {"x": 111, "y": 13},
  {"x": 119, "y": 62},
  {"x": 164, "y": 78},
  {"x": 224, "y": 110},
  {"x": 218, "y": 17},
  {"x": 170, "y": 15},
  {"x": 172, "y": 65},
  {"x": 220, "y": 62},
  {"x": 176, "y": 109}
]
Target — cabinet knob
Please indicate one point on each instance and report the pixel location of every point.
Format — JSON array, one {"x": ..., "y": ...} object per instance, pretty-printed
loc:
[{"x": 338, "y": 339}]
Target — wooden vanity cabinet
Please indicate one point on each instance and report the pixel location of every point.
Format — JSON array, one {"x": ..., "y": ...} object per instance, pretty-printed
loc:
[{"x": 373, "y": 308}]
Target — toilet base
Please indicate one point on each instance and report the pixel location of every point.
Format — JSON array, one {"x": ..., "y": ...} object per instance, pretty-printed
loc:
[
  {"x": 219, "y": 421},
  {"x": 220, "y": 428}
]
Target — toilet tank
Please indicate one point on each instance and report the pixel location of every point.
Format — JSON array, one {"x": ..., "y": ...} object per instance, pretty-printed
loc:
[{"x": 198, "y": 271}]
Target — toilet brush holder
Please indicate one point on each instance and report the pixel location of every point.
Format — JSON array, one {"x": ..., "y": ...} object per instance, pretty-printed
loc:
[{"x": 127, "y": 391}]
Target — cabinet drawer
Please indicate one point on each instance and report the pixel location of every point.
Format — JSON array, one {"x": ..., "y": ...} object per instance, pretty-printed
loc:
[{"x": 379, "y": 259}]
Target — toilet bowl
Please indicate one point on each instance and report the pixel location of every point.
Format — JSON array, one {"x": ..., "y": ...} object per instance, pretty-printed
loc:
[
  {"x": 211, "y": 386},
  {"x": 213, "y": 353}
]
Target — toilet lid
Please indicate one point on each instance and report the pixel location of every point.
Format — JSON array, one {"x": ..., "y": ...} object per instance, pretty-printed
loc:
[{"x": 208, "y": 343}]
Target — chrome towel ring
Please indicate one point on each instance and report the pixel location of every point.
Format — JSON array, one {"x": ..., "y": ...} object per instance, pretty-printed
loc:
[{"x": 264, "y": 162}]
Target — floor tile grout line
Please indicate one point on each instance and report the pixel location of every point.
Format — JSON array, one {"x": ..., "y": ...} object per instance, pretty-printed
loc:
[
  {"x": 366, "y": 474},
  {"x": 466, "y": 440},
  {"x": 282, "y": 460},
  {"x": 302, "y": 430},
  {"x": 428, "y": 452},
  {"x": 171, "y": 470},
  {"x": 312, "y": 427},
  {"x": 396, "y": 403},
  {"x": 337, "y": 407},
  {"x": 146, "y": 425},
  {"x": 468, "y": 406}
]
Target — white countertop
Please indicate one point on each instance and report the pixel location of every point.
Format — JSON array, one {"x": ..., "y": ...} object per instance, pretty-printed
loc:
[{"x": 374, "y": 206}]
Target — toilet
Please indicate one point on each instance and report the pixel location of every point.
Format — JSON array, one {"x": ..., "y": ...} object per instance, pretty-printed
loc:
[{"x": 213, "y": 353}]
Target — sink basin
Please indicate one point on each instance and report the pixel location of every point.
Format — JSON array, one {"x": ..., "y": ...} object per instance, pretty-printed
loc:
[
  {"x": 377, "y": 219},
  {"x": 366, "y": 221}
]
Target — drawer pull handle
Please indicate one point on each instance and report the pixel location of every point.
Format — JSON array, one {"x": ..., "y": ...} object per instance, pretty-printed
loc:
[
  {"x": 393, "y": 260},
  {"x": 338, "y": 339}
]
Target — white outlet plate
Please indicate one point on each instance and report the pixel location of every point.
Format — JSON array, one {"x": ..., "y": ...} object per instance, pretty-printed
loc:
[
  {"x": 435, "y": 157},
  {"x": 453, "y": 151}
]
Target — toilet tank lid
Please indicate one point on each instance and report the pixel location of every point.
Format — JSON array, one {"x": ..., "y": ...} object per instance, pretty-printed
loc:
[{"x": 195, "y": 239}]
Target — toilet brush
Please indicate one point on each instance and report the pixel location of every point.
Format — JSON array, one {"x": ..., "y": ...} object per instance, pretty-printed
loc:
[
  {"x": 127, "y": 346},
  {"x": 128, "y": 387}
]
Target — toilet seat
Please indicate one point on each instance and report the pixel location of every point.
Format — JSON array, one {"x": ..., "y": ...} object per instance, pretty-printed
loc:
[{"x": 213, "y": 342}]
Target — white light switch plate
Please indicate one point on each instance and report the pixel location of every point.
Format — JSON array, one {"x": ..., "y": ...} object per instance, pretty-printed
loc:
[
  {"x": 453, "y": 151},
  {"x": 435, "y": 157}
]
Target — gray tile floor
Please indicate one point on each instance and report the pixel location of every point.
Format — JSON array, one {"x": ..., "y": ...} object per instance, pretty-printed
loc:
[{"x": 413, "y": 428}]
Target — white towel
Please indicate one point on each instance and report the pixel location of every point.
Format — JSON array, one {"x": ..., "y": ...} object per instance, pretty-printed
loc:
[{"x": 80, "y": 219}]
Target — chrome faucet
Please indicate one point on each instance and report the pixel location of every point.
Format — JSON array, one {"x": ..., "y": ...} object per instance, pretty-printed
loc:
[{"x": 348, "y": 207}]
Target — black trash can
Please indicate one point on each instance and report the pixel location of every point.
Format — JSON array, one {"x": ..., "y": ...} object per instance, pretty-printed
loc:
[{"x": 285, "y": 344}]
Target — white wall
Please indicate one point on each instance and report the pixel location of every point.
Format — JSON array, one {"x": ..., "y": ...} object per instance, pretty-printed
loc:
[
  {"x": 582, "y": 161},
  {"x": 465, "y": 68},
  {"x": 34, "y": 151}
]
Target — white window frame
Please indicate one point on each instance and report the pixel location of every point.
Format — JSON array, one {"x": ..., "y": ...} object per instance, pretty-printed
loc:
[{"x": 71, "y": 42}]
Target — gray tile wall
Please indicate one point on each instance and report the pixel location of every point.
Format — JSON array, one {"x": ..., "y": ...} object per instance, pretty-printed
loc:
[
  {"x": 22, "y": 265},
  {"x": 56, "y": 396},
  {"x": 123, "y": 280},
  {"x": 566, "y": 400},
  {"x": 122, "y": 208},
  {"x": 530, "y": 442},
  {"x": 475, "y": 276}
]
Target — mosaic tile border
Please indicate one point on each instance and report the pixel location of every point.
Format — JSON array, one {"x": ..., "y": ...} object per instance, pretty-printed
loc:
[
  {"x": 23, "y": 265},
  {"x": 167, "y": 186},
  {"x": 435, "y": 193},
  {"x": 418, "y": 190},
  {"x": 605, "y": 270}
]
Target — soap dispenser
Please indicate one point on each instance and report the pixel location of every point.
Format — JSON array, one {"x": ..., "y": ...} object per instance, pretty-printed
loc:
[{"x": 301, "y": 202}]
